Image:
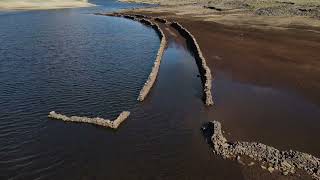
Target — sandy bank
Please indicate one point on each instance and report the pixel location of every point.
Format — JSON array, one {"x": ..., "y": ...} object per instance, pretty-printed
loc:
[
  {"x": 42, "y": 5},
  {"x": 96, "y": 121},
  {"x": 258, "y": 14}
]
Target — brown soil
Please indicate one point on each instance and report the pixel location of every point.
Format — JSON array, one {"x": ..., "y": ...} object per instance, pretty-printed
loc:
[{"x": 267, "y": 57}]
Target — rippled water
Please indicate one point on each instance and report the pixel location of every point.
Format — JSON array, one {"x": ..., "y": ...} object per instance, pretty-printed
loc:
[
  {"x": 77, "y": 63},
  {"x": 71, "y": 62}
]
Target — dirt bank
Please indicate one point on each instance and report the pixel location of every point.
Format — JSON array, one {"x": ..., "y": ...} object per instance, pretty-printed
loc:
[{"x": 285, "y": 58}]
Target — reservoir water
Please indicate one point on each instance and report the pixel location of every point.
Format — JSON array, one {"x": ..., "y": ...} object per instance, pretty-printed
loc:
[{"x": 77, "y": 63}]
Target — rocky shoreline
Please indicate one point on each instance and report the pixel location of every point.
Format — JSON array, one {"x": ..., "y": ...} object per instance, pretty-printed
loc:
[
  {"x": 276, "y": 160},
  {"x": 96, "y": 121}
]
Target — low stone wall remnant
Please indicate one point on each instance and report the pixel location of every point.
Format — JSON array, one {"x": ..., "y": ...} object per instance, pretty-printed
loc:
[
  {"x": 156, "y": 66},
  {"x": 205, "y": 71},
  {"x": 96, "y": 121},
  {"x": 283, "y": 161}
]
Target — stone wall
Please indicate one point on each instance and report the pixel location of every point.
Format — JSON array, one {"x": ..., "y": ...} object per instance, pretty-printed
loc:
[
  {"x": 96, "y": 121},
  {"x": 156, "y": 66},
  {"x": 201, "y": 62},
  {"x": 276, "y": 160}
]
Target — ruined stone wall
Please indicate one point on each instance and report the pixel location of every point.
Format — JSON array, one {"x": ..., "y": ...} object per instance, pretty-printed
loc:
[
  {"x": 201, "y": 62},
  {"x": 96, "y": 121},
  {"x": 276, "y": 160},
  {"x": 156, "y": 66}
]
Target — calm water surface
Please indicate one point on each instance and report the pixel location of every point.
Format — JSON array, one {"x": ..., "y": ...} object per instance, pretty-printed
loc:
[{"x": 77, "y": 63}]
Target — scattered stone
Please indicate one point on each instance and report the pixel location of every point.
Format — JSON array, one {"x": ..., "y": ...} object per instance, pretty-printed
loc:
[{"x": 270, "y": 169}]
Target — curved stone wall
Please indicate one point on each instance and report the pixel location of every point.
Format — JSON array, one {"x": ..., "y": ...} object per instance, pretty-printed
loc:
[
  {"x": 156, "y": 66},
  {"x": 283, "y": 161},
  {"x": 96, "y": 121},
  {"x": 201, "y": 61}
]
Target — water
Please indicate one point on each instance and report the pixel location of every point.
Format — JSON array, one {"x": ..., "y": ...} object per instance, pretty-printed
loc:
[{"x": 77, "y": 63}]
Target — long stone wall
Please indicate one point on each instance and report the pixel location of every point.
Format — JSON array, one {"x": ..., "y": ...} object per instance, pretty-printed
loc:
[
  {"x": 201, "y": 61},
  {"x": 156, "y": 66},
  {"x": 283, "y": 161},
  {"x": 96, "y": 121}
]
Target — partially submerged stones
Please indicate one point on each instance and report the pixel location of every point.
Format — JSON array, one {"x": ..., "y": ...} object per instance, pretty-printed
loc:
[
  {"x": 96, "y": 121},
  {"x": 156, "y": 66},
  {"x": 283, "y": 161}
]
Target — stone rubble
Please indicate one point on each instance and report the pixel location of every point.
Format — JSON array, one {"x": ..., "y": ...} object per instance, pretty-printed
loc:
[{"x": 283, "y": 161}]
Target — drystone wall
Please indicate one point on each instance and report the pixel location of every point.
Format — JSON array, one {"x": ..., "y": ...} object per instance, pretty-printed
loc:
[
  {"x": 205, "y": 71},
  {"x": 96, "y": 121},
  {"x": 283, "y": 161},
  {"x": 156, "y": 66}
]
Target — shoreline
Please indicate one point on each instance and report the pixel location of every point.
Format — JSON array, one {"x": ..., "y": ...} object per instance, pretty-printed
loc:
[
  {"x": 30, "y": 7},
  {"x": 204, "y": 70},
  {"x": 195, "y": 26},
  {"x": 270, "y": 14},
  {"x": 296, "y": 47}
]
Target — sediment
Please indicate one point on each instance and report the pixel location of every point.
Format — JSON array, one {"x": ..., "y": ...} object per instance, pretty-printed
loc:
[
  {"x": 283, "y": 161},
  {"x": 96, "y": 121},
  {"x": 204, "y": 69}
]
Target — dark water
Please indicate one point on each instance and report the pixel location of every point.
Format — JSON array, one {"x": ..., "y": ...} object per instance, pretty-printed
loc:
[{"x": 76, "y": 63}]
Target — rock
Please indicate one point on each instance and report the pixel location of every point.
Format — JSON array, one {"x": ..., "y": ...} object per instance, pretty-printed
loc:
[{"x": 270, "y": 169}]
